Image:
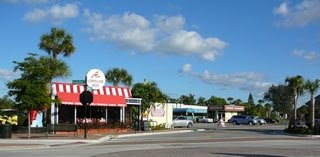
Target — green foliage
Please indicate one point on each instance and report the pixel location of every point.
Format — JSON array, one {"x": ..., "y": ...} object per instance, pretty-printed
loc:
[
  {"x": 296, "y": 87},
  {"x": 150, "y": 94},
  {"x": 6, "y": 103},
  {"x": 31, "y": 89},
  {"x": 117, "y": 76},
  {"x": 303, "y": 112},
  {"x": 298, "y": 130},
  {"x": 216, "y": 101},
  {"x": 57, "y": 42},
  {"x": 187, "y": 99},
  {"x": 280, "y": 98},
  {"x": 230, "y": 99},
  {"x": 250, "y": 99},
  {"x": 237, "y": 102},
  {"x": 201, "y": 101}
]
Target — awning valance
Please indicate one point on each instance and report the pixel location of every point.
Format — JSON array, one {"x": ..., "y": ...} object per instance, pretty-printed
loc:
[{"x": 69, "y": 94}]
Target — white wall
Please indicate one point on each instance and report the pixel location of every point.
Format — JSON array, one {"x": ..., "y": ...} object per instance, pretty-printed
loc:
[{"x": 155, "y": 114}]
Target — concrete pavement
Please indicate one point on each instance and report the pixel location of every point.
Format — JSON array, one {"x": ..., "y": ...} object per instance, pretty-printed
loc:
[{"x": 37, "y": 141}]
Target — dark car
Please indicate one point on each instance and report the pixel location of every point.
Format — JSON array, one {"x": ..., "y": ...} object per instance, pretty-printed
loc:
[{"x": 270, "y": 120}]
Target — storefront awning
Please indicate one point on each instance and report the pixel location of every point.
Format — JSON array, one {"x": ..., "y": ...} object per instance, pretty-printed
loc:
[
  {"x": 69, "y": 94},
  {"x": 189, "y": 110}
]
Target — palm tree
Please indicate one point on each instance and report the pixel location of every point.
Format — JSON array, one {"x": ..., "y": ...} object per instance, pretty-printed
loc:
[
  {"x": 296, "y": 86},
  {"x": 268, "y": 108},
  {"x": 230, "y": 99},
  {"x": 57, "y": 42},
  {"x": 260, "y": 101},
  {"x": 312, "y": 88},
  {"x": 117, "y": 76}
]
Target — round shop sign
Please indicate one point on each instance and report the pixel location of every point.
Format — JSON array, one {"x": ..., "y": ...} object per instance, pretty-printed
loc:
[{"x": 95, "y": 79}]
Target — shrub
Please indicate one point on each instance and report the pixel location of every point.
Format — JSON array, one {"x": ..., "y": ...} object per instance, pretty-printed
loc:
[{"x": 298, "y": 130}]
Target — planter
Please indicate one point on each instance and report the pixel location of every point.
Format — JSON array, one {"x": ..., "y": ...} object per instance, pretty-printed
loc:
[{"x": 5, "y": 131}]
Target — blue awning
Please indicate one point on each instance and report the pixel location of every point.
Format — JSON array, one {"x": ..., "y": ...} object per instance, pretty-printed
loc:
[{"x": 189, "y": 110}]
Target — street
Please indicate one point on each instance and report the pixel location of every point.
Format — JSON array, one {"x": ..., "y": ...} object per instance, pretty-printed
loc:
[{"x": 239, "y": 140}]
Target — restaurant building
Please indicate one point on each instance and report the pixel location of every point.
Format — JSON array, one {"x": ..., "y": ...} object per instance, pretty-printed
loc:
[
  {"x": 111, "y": 105},
  {"x": 224, "y": 112}
]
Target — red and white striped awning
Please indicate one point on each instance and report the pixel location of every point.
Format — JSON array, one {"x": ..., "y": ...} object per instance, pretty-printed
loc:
[{"x": 69, "y": 94}]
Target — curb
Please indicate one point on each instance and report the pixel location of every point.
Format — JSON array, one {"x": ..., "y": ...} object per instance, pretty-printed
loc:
[{"x": 153, "y": 133}]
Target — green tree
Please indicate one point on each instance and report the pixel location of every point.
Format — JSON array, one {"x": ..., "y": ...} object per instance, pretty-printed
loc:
[
  {"x": 54, "y": 43},
  {"x": 237, "y": 101},
  {"x": 250, "y": 99},
  {"x": 30, "y": 91},
  {"x": 304, "y": 112},
  {"x": 296, "y": 87},
  {"x": 216, "y": 101},
  {"x": 6, "y": 102},
  {"x": 187, "y": 99},
  {"x": 57, "y": 42},
  {"x": 117, "y": 76},
  {"x": 201, "y": 101},
  {"x": 268, "y": 108},
  {"x": 312, "y": 87},
  {"x": 280, "y": 98},
  {"x": 150, "y": 94},
  {"x": 230, "y": 99}
]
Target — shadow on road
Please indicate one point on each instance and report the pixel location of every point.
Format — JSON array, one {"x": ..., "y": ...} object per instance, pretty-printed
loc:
[{"x": 246, "y": 155}]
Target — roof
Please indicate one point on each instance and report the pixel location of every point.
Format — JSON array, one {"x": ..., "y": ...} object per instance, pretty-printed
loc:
[
  {"x": 69, "y": 94},
  {"x": 232, "y": 108}
]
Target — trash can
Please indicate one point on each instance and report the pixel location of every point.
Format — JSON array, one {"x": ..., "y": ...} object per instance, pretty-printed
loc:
[{"x": 5, "y": 131}]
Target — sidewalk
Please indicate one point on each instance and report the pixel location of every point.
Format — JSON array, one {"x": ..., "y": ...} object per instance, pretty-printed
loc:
[{"x": 39, "y": 140}]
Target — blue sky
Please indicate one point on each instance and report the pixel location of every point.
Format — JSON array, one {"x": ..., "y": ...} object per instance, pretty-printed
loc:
[{"x": 221, "y": 48}]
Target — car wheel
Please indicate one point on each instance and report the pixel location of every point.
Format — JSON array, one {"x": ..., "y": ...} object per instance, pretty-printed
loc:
[
  {"x": 189, "y": 125},
  {"x": 250, "y": 123},
  {"x": 235, "y": 123}
]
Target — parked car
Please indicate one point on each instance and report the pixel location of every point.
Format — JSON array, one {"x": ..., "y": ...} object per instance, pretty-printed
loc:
[
  {"x": 14, "y": 117},
  {"x": 182, "y": 122},
  {"x": 243, "y": 119},
  {"x": 205, "y": 120},
  {"x": 270, "y": 120},
  {"x": 260, "y": 120}
]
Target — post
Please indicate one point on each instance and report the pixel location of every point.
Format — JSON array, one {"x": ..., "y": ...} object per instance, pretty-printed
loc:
[
  {"x": 85, "y": 117},
  {"x": 106, "y": 115},
  {"x": 75, "y": 114},
  {"x": 139, "y": 118},
  {"x": 123, "y": 114},
  {"x": 29, "y": 129}
]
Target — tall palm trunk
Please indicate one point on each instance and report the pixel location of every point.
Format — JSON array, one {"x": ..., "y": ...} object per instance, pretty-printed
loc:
[{"x": 312, "y": 111}]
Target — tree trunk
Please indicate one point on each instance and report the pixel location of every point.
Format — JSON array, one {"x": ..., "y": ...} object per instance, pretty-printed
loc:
[
  {"x": 312, "y": 111},
  {"x": 29, "y": 127},
  {"x": 293, "y": 113}
]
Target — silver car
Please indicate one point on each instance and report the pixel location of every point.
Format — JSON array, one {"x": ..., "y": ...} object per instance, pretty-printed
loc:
[
  {"x": 260, "y": 120},
  {"x": 242, "y": 119},
  {"x": 182, "y": 122}
]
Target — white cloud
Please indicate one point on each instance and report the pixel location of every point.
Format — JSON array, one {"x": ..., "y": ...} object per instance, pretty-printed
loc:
[
  {"x": 302, "y": 14},
  {"x": 169, "y": 24},
  {"x": 246, "y": 81},
  {"x": 6, "y": 74},
  {"x": 129, "y": 31},
  {"x": 56, "y": 13},
  {"x": 189, "y": 43},
  {"x": 282, "y": 9},
  {"x": 163, "y": 35},
  {"x": 306, "y": 55},
  {"x": 186, "y": 68}
]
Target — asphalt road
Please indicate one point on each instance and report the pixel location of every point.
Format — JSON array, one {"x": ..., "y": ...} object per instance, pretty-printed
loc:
[{"x": 245, "y": 141}]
